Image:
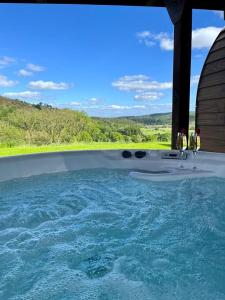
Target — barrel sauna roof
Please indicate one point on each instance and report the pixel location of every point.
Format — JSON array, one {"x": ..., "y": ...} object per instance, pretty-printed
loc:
[{"x": 210, "y": 104}]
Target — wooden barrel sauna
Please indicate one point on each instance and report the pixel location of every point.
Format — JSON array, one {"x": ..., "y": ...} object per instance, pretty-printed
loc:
[{"x": 210, "y": 103}]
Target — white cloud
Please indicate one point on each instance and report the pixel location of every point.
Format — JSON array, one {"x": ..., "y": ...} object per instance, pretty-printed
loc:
[
  {"x": 123, "y": 110},
  {"x": 5, "y": 82},
  {"x": 139, "y": 106},
  {"x": 143, "y": 35},
  {"x": 48, "y": 85},
  {"x": 144, "y": 88},
  {"x": 35, "y": 68},
  {"x": 198, "y": 55},
  {"x": 26, "y": 95},
  {"x": 219, "y": 13},
  {"x": 195, "y": 79},
  {"x": 204, "y": 37},
  {"x": 30, "y": 69},
  {"x": 24, "y": 73},
  {"x": 146, "y": 38},
  {"x": 116, "y": 107},
  {"x": 155, "y": 108},
  {"x": 139, "y": 84},
  {"x": 94, "y": 101},
  {"x": 113, "y": 107},
  {"x": 148, "y": 96},
  {"x": 74, "y": 103},
  {"x": 201, "y": 38},
  {"x": 166, "y": 43},
  {"x": 150, "y": 39},
  {"x": 6, "y": 61},
  {"x": 120, "y": 110}
]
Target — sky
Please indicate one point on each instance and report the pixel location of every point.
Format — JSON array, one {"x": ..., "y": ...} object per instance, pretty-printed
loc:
[{"x": 104, "y": 60}]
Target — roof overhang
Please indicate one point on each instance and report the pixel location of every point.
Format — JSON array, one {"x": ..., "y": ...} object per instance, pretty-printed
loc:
[{"x": 195, "y": 4}]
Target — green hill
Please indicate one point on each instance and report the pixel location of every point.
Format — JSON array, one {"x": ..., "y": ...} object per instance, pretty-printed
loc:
[
  {"x": 155, "y": 119},
  {"x": 22, "y": 123}
]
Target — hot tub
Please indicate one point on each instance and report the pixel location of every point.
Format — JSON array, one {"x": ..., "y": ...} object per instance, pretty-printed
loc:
[{"x": 96, "y": 225}]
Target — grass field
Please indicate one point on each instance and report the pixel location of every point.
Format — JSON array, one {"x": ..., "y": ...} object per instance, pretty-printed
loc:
[{"x": 81, "y": 146}]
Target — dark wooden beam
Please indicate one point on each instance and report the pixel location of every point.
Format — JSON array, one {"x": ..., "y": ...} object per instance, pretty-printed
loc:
[
  {"x": 195, "y": 4},
  {"x": 181, "y": 67},
  {"x": 154, "y": 3},
  {"x": 208, "y": 4}
]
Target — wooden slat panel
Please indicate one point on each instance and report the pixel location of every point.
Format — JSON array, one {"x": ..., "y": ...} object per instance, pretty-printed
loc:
[
  {"x": 213, "y": 135},
  {"x": 213, "y": 92},
  {"x": 219, "y": 54},
  {"x": 217, "y": 91},
  {"x": 216, "y": 66},
  {"x": 212, "y": 79},
  {"x": 211, "y": 106},
  {"x": 218, "y": 45},
  {"x": 211, "y": 119},
  {"x": 221, "y": 36},
  {"x": 212, "y": 142},
  {"x": 212, "y": 131},
  {"x": 212, "y": 147}
]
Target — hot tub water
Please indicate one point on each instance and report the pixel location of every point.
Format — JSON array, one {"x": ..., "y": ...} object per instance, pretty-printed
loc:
[{"x": 100, "y": 234}]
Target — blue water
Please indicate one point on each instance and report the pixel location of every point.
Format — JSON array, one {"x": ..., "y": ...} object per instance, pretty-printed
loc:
[{"x": 99, "y": 234}]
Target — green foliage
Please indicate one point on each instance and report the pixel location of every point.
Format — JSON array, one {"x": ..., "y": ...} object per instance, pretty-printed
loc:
[
  {"x": 154, "y": 119},
  {"x": 9, "y": 135},
  {"x": 41, "y": 105},
  {"x": 40, "y": 124}
]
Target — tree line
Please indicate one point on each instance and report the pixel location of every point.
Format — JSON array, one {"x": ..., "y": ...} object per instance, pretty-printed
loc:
[{"x": 25, "y": 124}]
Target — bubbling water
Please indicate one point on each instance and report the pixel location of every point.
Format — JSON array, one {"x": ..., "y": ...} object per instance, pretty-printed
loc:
[{"x": 99, "y": 234}]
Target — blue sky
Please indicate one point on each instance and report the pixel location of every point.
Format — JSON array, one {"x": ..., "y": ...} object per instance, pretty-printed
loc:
[{"x": 107, "y": 61}]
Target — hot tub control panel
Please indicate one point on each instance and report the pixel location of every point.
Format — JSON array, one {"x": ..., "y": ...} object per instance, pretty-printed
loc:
[{"x": 174, "y": 155}]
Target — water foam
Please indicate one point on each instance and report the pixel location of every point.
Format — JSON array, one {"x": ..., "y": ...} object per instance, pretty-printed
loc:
[{"x": 99, "y": 234}]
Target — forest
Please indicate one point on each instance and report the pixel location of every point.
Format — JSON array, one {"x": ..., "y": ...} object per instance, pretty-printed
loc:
[{"x": 22, "y": 123}]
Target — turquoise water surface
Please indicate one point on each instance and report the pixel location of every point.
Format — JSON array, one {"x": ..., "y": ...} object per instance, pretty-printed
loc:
[{"x": 99, "y": 234}]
